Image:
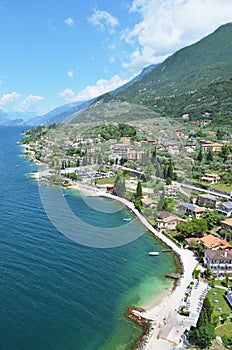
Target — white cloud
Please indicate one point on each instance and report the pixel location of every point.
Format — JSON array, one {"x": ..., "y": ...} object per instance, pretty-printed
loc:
[
  {"x": 9, "y": 99},
  {"x": 103, "y": 20},
  {"x": 102, "y": 86},
  {"x": 168, "y": 25},
  {"x": 30, "y": 101},
  {"x": 67, "y": 94},
  {"x": 13, "y": 102},
  {"x": 70, "y": 73},
  {"x": 69, "y": 21}
]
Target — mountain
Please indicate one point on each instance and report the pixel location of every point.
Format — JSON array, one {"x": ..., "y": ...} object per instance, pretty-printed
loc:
[
  {"x": 189, "y": 69},
  {"x": 60, "y": 114},
  {"x": 195, "y": 79},
  {"x": 13, "y": 122},
  {"x": 68, "y": 111},
  {"x": 144, "y": 72}
]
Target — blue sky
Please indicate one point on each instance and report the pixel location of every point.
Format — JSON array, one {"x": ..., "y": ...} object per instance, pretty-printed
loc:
[{"x": 56, "y": 52}]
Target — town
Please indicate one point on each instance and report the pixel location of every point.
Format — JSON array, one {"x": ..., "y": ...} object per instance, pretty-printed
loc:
[{"x": 178, "y": 178}]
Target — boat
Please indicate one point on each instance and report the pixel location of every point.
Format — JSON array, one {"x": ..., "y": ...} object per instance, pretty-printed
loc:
[
  {"x": 127, "y": 219},
  {"x": 153, "y": 253},
  {"x": 173, "y": 275}
]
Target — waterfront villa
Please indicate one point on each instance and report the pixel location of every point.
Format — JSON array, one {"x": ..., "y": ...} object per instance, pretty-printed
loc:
[
  {"x": 167, "y": 221},
  {"x": 214, "y": 243},
  {"x": 148, "y": 202},
  {"x": 219, "y": 262}
]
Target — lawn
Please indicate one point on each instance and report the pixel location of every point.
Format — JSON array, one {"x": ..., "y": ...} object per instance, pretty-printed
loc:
[
  {"x": 226, "y": 330},
  {"x": 105, "y": 181},
  {"x": 222, "y": 282},
  {"x": 222, "y": 303},
  {"x": 223, "y": 187}
]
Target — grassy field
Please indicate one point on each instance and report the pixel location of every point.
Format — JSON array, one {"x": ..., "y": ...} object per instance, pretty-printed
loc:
[
  {"x": 222, "y": 303},
  {"x": 223, "y": 187},
  {"x": 225, "y": 329}
]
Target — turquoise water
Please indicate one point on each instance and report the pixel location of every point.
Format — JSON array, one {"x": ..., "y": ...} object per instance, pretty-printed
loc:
[{"x": 56, "y": 294}]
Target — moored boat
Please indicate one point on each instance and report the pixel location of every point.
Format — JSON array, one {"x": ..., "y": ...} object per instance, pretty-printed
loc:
[{"x": 153, "y": 253}]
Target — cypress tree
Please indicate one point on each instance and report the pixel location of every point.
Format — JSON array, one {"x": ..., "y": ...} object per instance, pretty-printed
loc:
[{"x": 139, "y": 191}]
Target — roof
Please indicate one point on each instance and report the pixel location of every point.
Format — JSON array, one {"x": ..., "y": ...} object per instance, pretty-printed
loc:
[
  {"x": 208, "y": 196},
  {"x": 227, "y": 222},
  {"x": 147, "y": 201},
  {"x": 227, "y": 205},
  {"x": 171, "y": 218},
  {"x": 219, "y": 254},
  {"x": 192, "y": 207},
  {"x": 163, "y": 215},
  {"x": 211, "y": 242}
]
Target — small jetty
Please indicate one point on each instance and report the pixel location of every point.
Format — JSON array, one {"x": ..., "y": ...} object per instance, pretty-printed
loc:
[
  {"x": 167, "y": 250},
  {"x": 173, "y": 275}
]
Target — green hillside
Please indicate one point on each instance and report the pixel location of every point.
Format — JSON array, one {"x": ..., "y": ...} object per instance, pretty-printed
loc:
[
  {"x": 194, "y": 80},
  {"x": 213, "y": 102},
  {"x": 114, "y": 110},
  {"x": 191, "y": 68}
]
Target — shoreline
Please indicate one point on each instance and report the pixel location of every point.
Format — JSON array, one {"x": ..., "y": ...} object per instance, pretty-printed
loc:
[
  {"x": 164, "y": 326},
  {"x": 158, "y": 316}
]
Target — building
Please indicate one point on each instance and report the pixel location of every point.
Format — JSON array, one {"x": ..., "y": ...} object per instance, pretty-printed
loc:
[
  {"x": 148, "y": 202},
  {"x": 211, "y": 178},
  {"x": 219, "y": 262},
  {"x": 225, "y": 208},
  {"x": 214, "y": 243},
  {"x": 191, "y": 210},
  {"x": 171, "y": 191},
  {"x": 209, "y": 145},
  {"x": 167, "y": 221},
  {"x": 208, "y": 200},
  {"x": 134, "y": 155},
  {"x": 229, "y": 297},
  {"x": 226, "y": 224}
]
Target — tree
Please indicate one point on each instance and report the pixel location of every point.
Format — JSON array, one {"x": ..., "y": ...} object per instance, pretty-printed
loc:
[
  {"x": 119, "y": 186},
  {"x": 211, "y": 218},
  {"x": 208, "y": 273},
  {"x": 170, "y": 171},
  {"x": 208, "y": 309},
  {"x": 204, "y": 336},
  {"x": 224, "y": 152},
  {"x": 153, "y": 155},
  {"x": 139, "y": 190},
  {"x": 199, "y": 226},
  {"x": 160, "y": 204},
  {"x": 200, "y": 156},
  {"x": 209, "y": 155},
  {"x": 148, "y": 171}
]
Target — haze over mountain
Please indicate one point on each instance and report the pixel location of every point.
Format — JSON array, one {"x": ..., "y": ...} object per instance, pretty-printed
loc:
[{"x": 64, "y": 113}]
